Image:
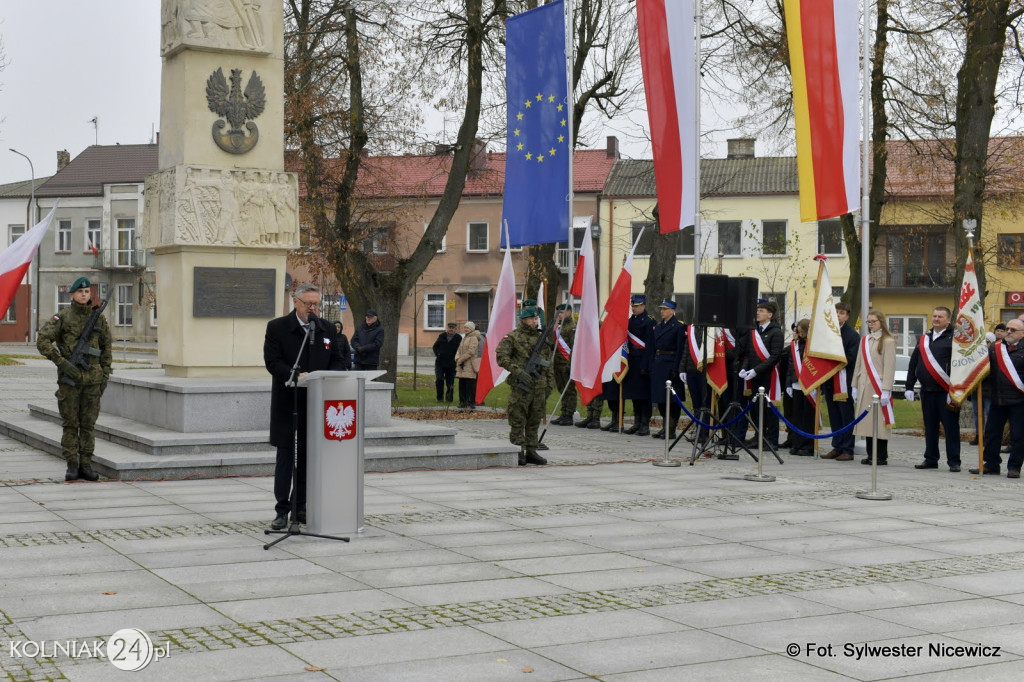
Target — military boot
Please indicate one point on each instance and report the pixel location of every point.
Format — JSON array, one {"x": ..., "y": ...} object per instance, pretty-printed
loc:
[
  {"x": 522, "y": 458},
  {"x": 72, "y": 472},
  {"x": 85, "y": 471},
  {"x": 532, "y": 457},
  {"x": 584, "y": 423}
]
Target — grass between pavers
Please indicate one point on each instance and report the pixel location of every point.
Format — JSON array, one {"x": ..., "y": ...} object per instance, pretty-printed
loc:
[{"x": 11, "y": 359}]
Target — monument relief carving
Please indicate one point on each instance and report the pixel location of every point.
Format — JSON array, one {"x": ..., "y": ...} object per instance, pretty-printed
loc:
[
  {"x": 239, "y": 25},
  {"x": 237, "y": 107}
]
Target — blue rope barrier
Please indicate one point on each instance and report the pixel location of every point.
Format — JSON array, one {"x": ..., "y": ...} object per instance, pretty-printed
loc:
[
  {"x": 726, "y": 425},
  {"x": 820, "y": 436}
]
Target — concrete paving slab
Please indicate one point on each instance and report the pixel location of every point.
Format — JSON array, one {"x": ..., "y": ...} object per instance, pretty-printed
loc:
[
  {"x": 397, "y": 647},
  {"x": 588, "y": 627},
  {"x": 308, "y": 605},
  {"x": 906, "y": 593},
  {"x": 763, "y": 668},
  {"x": 742, "y": 610},
  {"x": 82, "y": 625},
  {"x": 478, "y": 590},
  {"x": 496, "y": 666},
  {"x": 966, "y": 614}
]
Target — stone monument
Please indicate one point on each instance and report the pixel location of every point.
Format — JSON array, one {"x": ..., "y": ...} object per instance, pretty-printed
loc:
[{"x": 221, "y": 213}]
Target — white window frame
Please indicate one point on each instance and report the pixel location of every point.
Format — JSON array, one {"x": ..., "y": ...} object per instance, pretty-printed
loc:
[
  {"x": 152, "y": 316},
  {"x": 63, "y": 236},
  {"x": 431, "y": 301},
  {"x": 904, "y": 344},
  {"x": 469, "y": 235},
  {"x": 444, "y": 239},
  {"x": 126, "y": 255},
  {"x": 819, "y": 245},
  {"x": 11, "y": 316},
  {"x": 718, "y": 240},
  {"x": 63, "y": 297},
  {"x": 93, "y": 234},
  {"x": 124, "y": 305},
  {"x": 14, "y": 233},
  {"x": 785, "y": 238}
]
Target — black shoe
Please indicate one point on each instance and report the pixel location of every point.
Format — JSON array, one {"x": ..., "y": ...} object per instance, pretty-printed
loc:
[
  {"x": 1013, "y": 473},
  {"x": 632, "y": 429},
  {"x": 611, "y": 428},
  {"x": 450, "y": 396},
  {"x": 302, "y": 517},
  {"x": 926, "y": 465},
  {"x": 644, "y": 431},
  {"x": 72, "y": 472},
  {"x": 954, "y": 468},
  {"x": 881, "y": 462},
  {"x": 989, "y": 472},
  {"x": 804, "y": 452},
  {"x": 582, "y": 424},
  {"x": 279, "y": 522},
  {"x": 594, "y": 423},
  {"x": 533, "y": 458},
  {"x": 542, "y": 446},
  {"x": 522, "y": 458},
  {"x": 660, "y": 434},
  {"x": 786, "y": 444},
  {"x": 85, "y": 472}
]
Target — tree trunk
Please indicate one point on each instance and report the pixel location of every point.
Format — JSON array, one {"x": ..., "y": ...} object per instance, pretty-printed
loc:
[{"x": 661, "y": 268}]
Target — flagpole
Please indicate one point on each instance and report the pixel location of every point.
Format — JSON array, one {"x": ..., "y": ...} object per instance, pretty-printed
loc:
[
  {"x": 697, "y": 246},
  {"x": 865, "y": 217},
  {"x": 569, "y": 105}
]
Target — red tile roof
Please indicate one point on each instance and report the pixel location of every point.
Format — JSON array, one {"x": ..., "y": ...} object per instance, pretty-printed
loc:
[{"x": 924, "y": 168}]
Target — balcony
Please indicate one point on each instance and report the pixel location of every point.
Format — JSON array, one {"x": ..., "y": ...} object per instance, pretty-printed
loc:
[
  {"x": 119, "y": 259},
  {"x": 903, "y": 277},
  {"x": 566, "y": 256}
]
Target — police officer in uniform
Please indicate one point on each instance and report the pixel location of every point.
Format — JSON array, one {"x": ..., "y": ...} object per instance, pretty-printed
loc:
[
  {"x": 664, "y": 353},
  {"x": 566, "y": 336},
  {"x": 527, "y": 399},
  {"x": 79, "y": 404},
  {"x": 637, "y": 384}
]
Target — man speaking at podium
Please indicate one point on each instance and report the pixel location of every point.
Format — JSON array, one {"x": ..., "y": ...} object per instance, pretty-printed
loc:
[{"x": 284, "y": 341}]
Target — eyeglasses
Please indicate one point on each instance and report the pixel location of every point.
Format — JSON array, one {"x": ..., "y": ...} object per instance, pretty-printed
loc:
[
  {"x": 1011, "y": 330},
  {"x": 308, "y": 304}
]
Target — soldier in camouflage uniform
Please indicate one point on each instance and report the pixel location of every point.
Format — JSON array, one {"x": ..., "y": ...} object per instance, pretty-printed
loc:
[
  {"x": 526, "y": 402},
  {"x": 79, "y": 404},
  {"x": 567, "y": 335}
]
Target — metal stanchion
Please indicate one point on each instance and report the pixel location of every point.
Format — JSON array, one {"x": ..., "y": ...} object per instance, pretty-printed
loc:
[
  {"x": 760, "y": 476},
  {"x": 874, "y": 493},
  {"x": 665, "y": 430}
]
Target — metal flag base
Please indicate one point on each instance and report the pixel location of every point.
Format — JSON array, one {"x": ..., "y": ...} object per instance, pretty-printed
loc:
[
  {"x": 666, "y": 463},
  {"x": 759, "y": 478},
  {"x": 665, "y": 429},
  {"x": 873, "y": 495}
]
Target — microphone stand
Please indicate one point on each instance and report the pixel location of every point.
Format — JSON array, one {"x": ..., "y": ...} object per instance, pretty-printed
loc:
[{"x": 293, "y": 381}]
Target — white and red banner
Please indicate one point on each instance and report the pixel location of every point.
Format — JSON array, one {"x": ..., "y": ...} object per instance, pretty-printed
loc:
[
  {"x": 16, "y": 258},
  {"x": 970, "y": 351},
  {"x": 824, "y": 354},
  {"x": 585, "y": 365},
  {"x": 501, "y": 322},
  {"x": 615, "y": 329},
  {"x": 668, "y": 57}
]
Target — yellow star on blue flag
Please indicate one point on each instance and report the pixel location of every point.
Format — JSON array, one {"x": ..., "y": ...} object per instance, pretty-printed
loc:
[{"x": 536, "y": 199}]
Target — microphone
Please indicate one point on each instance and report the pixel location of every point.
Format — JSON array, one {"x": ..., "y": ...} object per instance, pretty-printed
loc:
[{"x": 311, "y": 321}]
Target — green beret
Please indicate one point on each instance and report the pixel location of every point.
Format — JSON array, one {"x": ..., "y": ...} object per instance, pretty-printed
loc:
[
  {"x": 528, "y": 312},
  {"x": 80, "y": 283},
  {"x": 562, "y": 306},
  {"x": 529, "y": 302}
]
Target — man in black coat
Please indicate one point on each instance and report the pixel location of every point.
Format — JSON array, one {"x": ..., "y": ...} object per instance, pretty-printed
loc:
[
  {"x": 286, "y": 337},
  {"x": 759, "y": 365},
  {"x": 366, "y": 342},
  {"x": 840, "y": 412},
  {"x": 664, "y": 352},
  {"x": 637, "y": 384},
  {"x": 930, "y": 365},
  {"x": 445, "y": 348},
  {"x": 1005, "y": 388}
]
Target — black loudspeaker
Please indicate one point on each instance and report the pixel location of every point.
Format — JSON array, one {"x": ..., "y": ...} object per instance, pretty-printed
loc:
[
  {"x": 711, "y": 300},
  {"x": 742, "y": 308}
]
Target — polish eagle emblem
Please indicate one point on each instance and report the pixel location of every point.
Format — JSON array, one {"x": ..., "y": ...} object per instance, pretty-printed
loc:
[
  {"x": 339, "y": 419},
  {"x": 238, "y": 107}
]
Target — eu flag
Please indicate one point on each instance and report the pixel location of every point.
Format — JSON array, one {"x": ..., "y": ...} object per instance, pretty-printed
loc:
[{"x": 536, "y": 203}]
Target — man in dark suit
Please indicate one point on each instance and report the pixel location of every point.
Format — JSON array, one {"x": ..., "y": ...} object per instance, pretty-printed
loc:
[
  {"x": 637, "y": 384},
  {"x": 930, "y": 365},
  {"x": 664, "y": 352},
  {"x": 286, "y": 337},
  {"x": 760, "y": 364},
  {"x": 840, "y": 412}
]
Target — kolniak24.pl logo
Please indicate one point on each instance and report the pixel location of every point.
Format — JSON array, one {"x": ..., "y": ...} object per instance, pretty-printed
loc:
[{"x": 128, "y": 649}]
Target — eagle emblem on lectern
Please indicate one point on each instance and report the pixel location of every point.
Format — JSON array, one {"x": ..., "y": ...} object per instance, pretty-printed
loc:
[
  {"x": 237, "y": 106},
  {"x": 339, "y": 419}
]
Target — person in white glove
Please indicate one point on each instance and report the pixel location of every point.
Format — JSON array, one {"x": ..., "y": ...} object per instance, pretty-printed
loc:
[
  {"x": 881, "y": 349},
  {"x": 910, "y": 395}
]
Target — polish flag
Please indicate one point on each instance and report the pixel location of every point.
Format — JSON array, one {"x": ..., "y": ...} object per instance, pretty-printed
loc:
[
  {"x": 615, "y": 328},
  {"x": 586, "y": 363},
  {"x": 16, "y": 258},
  {"x": 501, "y": 322},
  {"x": 668, "y": 57}
]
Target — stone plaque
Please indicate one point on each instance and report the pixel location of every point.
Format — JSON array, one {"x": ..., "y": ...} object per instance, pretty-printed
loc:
[{"x": 233, "y": 292}]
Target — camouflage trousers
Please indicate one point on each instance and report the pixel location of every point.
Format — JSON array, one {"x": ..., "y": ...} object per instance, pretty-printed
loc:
[
  {"x": 594, "y": 408},
  {"x": 79, "y": 407},
  {"x": 525, "y": 411},
  {"x": 568, "y": 407}
]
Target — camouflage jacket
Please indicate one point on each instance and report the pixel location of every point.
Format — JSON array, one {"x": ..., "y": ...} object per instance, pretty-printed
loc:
[
  {"x": 568, "y": 333},
  {"x": 514, "y": 351},
  {"x": 57, "y": 339}
]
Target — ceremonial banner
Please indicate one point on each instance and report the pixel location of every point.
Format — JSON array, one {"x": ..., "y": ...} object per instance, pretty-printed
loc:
[
  {"x": 824, "y": 355},
  {"x": 822, "y": 37},
  {"x": 538, "y": 117},
  {"x": 500, "y": 323},
  {"x": 15, "y": 259},
  {"x": 970, "y": 352},
  {"x": 615, "y": 329},
  {"x": 585, "y": 366},
  {"x": 668, "y": 50}
]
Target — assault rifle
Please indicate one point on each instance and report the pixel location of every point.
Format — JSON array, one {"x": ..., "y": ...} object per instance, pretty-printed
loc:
[
  {"x": 80, "y": 355},
  {"x": 535, "y": 362}
]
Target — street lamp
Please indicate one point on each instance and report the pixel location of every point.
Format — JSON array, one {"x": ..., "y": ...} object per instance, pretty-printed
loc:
[{"x": 33, "y": 322}]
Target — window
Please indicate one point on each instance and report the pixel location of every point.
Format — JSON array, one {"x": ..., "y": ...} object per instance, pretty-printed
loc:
[
  {"x": 124, "y": 305},
  {"x": 376, "y": 242},
  {"x": 63, "y": 296},
  {"x": 476, "y": 237},
  {"x": 92, "y": 235},
  {"x": 152, "y": 315},
  {"x": 1011, "y": 251},
  {"x": 686, "y": 242},
  {"x": 126, "y": 244},
  {"x": 16, "y": 232},
  {"x": 646, "y": 244},
  {"x": 773, "y": 237},
  {"x": 906, "y": 330},
  {"x": 830, "y": 237},
  {"x": 12, "y": 311},
  {"x": 729, "y": 237},
  {"x": 779, "y": 299},
  {"x": 433, "y": 311},
  {"x": 444, "y": 239},
  {"x": 63, "y": 236},
  {"x": 684, "y": 307}
]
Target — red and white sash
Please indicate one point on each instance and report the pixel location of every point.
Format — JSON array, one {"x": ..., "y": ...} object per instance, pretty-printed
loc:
[
  {"x": 636, "y": 341},
  {"x": 1006, "y": 366},
  {"x": 730, "y": 340},
  {"x": 933, "y": 366},
  {"x": 798, "y": 363},
  {"x": 696, "y": 353},
  {"x": 563, "y": 347},
  {"x": 774, "y": 383},
  {"x": 876, "y": 381}
]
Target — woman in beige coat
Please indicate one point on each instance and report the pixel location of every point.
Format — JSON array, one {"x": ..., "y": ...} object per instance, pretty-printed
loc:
[
  {"x": 467, "y": 365},
  {"x": 882, "y": 349}
]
